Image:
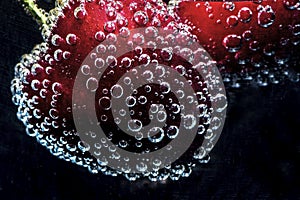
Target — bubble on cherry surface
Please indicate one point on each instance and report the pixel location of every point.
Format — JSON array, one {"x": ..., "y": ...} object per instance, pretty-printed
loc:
[
  {"x": 56, "y": 40},
  {"x": 100, "y": 36},
  {"x": 141, "y": 18},
  {"x": 229, "y": 5},
  {"x": 245, "y": 14},
  {"x": 110, "y": 26},
  {"x": 232, "y": 42},
  {"x": 148, "y": 101},
  {"x": 71, "y": 39},
  {"x": 247, "y": 35},
  {"x": 266, "y": 16},
  {"x": 232, "y": 20},
  {"x": 80, "y": 12}
]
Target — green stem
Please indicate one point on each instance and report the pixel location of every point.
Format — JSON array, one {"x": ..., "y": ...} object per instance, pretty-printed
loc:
[{"x": 38, "y": 13}]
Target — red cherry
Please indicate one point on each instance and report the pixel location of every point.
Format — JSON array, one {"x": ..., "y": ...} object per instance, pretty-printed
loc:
[
  {"x": 261, "y": 31},
  {"x": 81, "y": 38}
]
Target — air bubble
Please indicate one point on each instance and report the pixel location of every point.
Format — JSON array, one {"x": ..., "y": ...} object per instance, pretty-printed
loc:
[
  {"x": 148, "y": 88},
  {"x": 109, "y": 26},
  {"x": 116, "y": 91},
  {"x": 156, "y": 134},
  {"x": 100, "y": 36},
  {"x": 228, "y": 5},
  {"x": 117, "y": 120},
  {"x": 124, "y": 32},
  {"x": 85, "y": 70},
  {"x": 201, "y": 129},
  {"x": 111, "y": 61},
  {"x": 105, "y": 103},
  {"x": 58, "y": 55},
  {"x": 296, "y": 29},
  {"x": 156, "y": 22},
  {"x": 99, "y": 63},
  {"x": 92, "y": 84},
  {"x": 151, "y": 32},
  {"x": 247, "y": 35},
  {"x": 71, "y": 39},
  {"x": 111, "y": 13},
  {"x": 79, "y": 12},
  {"x": 254, "y": 45},
  {"x": 130, "y": 101},
  {"x": 36, "y": 69},
  {"x": 142, "y": 167},
  {"x": 175, "y": 108},
  {"x": 166, "y": 88},
  {"x": 123, "y": 144},
  {"x": 166, "y": 54},
  {"x": 122, "y": 112},
  {"x": 148, "y": 75},
  {"x": 66, "y": 55},
  {"x": 127, "y": 80},
  {"x": 160, "y": 71},
  {"x": 142, "y": 100},
  {"x": 56, "y": 40},
  {"x": 189, "y": 121},
  {"x": 135, "y": 125},
  {"x": 269, "y": 50},
  {"x": 245, "y": 14},
  {"x": 101, "y": 49},
  {"x": 161, "y": 116},
  {"x": 126, "y": 62},
  {"x": 138, "y": 144},
  {"x": 53, "y": 113},
  {"x": 172, "y": 132},
  {"x": 141, "y": 18},
  {"x": 56, "y": 88},
  {"x": 181, "y": 70},
  {"x": 232, "y": 20},
  {"x": 200, "y": 153},
  {"x": 232, "y": 42},
  {"x": 144, "y": 59},
  {"x": 35, "y": 85},
  {"x": 111, "y": 38},
  {"x": 112, "y": 49},
  {"x": 154, "y": 108},
  {"x": 266, "y": 16},
  {"x": 122, "y": 21},
  {"x": 138, "y": 39}
]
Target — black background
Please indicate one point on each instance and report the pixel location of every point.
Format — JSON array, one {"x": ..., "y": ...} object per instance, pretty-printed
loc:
[{"x": 257, "y": 156}]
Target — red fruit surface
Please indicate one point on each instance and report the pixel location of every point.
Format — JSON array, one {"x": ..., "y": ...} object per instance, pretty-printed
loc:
[{"x": 263, "y": 37}]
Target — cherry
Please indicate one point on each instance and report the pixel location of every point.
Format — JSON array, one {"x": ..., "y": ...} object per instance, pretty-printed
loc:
[{"x": 126, "y": 68}]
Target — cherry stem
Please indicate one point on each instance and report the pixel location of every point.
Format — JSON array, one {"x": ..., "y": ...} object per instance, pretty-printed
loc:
[{"x": 32, "y": 8}]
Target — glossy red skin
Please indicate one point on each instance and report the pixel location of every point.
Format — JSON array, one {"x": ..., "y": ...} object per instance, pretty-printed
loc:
[
  {"x": 212, "y": 33},
  {"x": 64, "y": 71}
]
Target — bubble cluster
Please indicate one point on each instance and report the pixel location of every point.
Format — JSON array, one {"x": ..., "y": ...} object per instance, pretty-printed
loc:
[
  {"x": 149, "y": 106},
  {"x": 149, "y": 90},
  {"x": 253, "y": 43}
]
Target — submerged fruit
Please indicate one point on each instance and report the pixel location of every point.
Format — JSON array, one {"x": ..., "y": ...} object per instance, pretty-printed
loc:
[
  {"x": 252, "y": 41},
  {"x": 121, "y": 66}
]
